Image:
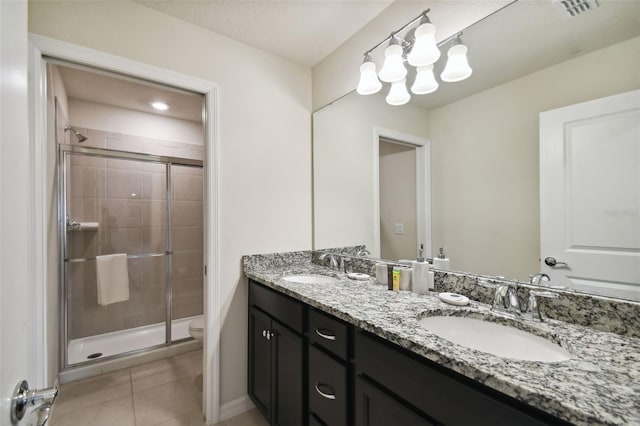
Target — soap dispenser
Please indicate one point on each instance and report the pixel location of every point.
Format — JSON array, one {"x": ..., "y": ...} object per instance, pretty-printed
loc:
[
  {"x": 419, "y": 273},
  {"x": 441, "y": 261}
]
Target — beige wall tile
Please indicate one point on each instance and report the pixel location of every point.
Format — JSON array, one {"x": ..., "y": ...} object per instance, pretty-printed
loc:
[{"x": 187, "y": 213}]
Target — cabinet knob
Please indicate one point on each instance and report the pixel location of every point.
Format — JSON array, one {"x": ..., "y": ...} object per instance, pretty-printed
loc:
[
  {"x": 269, "y": 335},
  {"x": 325, "y": 334},
  {"x": 324, "y": 394},
  {"x": 264, "y": 333}
]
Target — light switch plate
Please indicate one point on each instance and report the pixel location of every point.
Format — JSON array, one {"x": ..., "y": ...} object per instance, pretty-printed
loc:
[{"x": 399, "y": 229}]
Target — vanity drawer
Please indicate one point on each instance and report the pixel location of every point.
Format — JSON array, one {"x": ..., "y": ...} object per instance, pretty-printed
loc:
[
  {"x": 328, "y": 332},
  {"x": 279, "y": 306},
  {"x": 327, "y": 388},
  {"x": 444, "y": 396}
]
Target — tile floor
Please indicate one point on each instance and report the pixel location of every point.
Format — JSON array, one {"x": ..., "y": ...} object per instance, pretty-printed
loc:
[{"x": 167, "y": 392}]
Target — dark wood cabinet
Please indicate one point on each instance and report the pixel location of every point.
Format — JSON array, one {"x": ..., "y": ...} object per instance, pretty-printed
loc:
[
  {"x": 309, "y": 368},
  {"x": 374, "y": 407},
  {"x": 328, "y": 388},
  {"x": 276, "y": 357},
  {"x": 260, "y": 361},
  {"x": 441, "y": 395}
]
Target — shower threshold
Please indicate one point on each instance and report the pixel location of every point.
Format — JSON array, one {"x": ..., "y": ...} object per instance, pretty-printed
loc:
[{"x": 119, "y": 342}]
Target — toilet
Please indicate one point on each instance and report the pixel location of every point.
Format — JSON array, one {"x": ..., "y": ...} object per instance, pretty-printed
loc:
[{"x": 196, "y": 328}]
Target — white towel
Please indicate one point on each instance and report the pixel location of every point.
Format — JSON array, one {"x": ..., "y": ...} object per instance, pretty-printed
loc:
[{"x": 113, "y": 278}]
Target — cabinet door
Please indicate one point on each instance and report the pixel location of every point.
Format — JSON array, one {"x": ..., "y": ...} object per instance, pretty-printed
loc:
[
  {"x": 260, "y": 361},
  {"x": 288, "y": 374},
  {"x": 375, "y": 408}
]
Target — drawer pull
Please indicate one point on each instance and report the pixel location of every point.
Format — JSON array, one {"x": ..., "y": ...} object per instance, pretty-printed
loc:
[
  {"x": 325, "y": 335},
  {"x": 325, "y": 395}
]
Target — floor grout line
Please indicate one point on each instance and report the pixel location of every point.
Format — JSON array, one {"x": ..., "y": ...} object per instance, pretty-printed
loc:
[{"x": 133, "y": 400}]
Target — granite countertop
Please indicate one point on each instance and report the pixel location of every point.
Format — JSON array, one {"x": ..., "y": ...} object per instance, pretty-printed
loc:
[{"x": 600, "y": 384}]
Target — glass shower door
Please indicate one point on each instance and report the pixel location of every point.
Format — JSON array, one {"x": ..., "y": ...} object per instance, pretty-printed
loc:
[
  {"x": 115, "y": 206},
  {"x": 187, "y": 271}
]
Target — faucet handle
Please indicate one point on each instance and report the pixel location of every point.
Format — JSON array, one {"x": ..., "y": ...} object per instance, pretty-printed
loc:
[{"x": 533, "y": 310}]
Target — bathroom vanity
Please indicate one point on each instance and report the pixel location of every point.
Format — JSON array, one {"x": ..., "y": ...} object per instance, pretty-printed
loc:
[{"x": 351, "y": 352}]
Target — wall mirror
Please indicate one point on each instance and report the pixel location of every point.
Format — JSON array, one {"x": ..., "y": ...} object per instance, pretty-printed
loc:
[{"x": 478, "y": 195}]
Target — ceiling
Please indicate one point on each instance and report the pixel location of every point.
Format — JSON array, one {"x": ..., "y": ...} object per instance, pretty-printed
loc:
[
  {"x": 302, "y": 31},
  {"x": 124, "y": 92}
]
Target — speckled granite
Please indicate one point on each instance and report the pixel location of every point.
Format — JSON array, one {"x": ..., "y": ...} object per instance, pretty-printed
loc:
[
  {"x": 599, "y": 385},
  {"x": 598, "y": 312}
]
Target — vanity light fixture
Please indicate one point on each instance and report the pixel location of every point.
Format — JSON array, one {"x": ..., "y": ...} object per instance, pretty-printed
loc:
[
  {"x": 425, "y": 50},
  {"x": 369, "y": 83},
  {"x": 425, "y": 81},
  {"x": 160, "y": 106},
  {"x": 393, "y": 68},
  {"x": 457, "y": 68},
  {"x": 398, "y": 94},
  {"x": 418, "y": 47}
]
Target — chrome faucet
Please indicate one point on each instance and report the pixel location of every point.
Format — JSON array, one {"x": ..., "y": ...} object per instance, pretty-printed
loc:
[
  {"x": 345, "y": 264},
  {"x": 506, "y": 299},
  {"x": 533, "y": 309},
  {"x": 333, "y": 260},
  {"x": 536, "y": 279}
]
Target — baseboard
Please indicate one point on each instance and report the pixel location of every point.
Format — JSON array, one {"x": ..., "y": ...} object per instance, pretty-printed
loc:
[{"x": 235, "y": 407}]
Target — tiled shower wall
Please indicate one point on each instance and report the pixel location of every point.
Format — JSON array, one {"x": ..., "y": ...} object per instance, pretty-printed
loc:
[{"x": 128, "y": 199}]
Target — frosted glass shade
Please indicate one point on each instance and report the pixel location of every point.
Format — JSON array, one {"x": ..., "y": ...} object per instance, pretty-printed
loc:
[
  {"x": 398, "y": 94},
  {"x": 393, "y": 68},
  {"x": 425, "y": 81},
  {"x": 369, "y": 83},
  {"x": 425, "y": 50},
  {"x": 457, "y": 68}
]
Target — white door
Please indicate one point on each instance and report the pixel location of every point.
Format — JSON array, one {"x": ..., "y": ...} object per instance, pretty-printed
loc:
[
  {"x": 21, "y": 336},
  {"x": 590, "y": 195}
]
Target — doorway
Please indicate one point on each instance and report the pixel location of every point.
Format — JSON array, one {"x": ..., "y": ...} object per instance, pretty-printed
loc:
[
  {"x": 44, "y": 49},
  {"x": 402, "y": 198}
]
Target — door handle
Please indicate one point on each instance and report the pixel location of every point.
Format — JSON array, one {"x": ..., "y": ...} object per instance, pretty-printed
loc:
[
  {"x": 323, "y": 394},
  {"x": 551, "y": 261},
  {"x": 22, "y": 397},
  {"x": 325, "y": 335}
]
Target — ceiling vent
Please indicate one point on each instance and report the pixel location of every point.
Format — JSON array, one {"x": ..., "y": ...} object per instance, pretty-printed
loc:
[{"x": 571, "y": 8}]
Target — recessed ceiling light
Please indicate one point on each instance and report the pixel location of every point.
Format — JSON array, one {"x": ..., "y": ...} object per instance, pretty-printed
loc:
[{"x": 160, "y": 106}]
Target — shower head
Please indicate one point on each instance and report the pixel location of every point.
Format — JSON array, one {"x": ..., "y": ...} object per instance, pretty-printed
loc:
[{"x": 81, "y": 138}]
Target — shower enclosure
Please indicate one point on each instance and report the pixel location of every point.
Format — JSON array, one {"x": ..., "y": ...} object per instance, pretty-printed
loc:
[{"x": 149, "y": 208}]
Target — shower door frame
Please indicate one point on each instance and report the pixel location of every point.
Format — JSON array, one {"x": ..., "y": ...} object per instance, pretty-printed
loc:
[{"x": 64, "y": 155}]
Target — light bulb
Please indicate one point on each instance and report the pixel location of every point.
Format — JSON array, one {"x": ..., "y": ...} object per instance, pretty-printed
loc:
[
  {"x": 369, "y": 83},
  {"x": 398, "y": 94},
  {"x": 457, "y": 68},
  {"x": 425, "y": 81},
  {"x": 393, "y": 68},
  {"x": 425, "y": 50}
]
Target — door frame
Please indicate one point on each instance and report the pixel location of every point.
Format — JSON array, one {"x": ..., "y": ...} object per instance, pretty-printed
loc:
[
  {"x": 423, "y": 186},
  {"x": 40, "y": 47}
]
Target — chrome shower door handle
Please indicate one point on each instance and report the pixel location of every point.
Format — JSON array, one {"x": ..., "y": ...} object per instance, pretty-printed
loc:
[{"x": 551, "y": 261}]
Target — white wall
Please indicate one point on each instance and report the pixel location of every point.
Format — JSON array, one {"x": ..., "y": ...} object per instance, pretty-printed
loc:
[
  {"x": 264, "y": 130},
  {"x": 137, "y": 123},
  {"x": 338, "y": 73},
  {"x": 485, "y": 159},
  {"x": 343, "y": 135}
]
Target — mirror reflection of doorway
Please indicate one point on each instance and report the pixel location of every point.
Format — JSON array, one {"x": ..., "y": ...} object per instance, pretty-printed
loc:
[{"x": 398, "y": 221}]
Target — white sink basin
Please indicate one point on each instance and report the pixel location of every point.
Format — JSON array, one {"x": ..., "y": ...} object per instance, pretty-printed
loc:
[
  {"x": 309, "y": 279},
  {"x": 496, "y": 339}
]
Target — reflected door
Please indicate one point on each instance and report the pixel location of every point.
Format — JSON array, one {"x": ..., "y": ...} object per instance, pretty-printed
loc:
[{"x": 590, "y": 195}]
